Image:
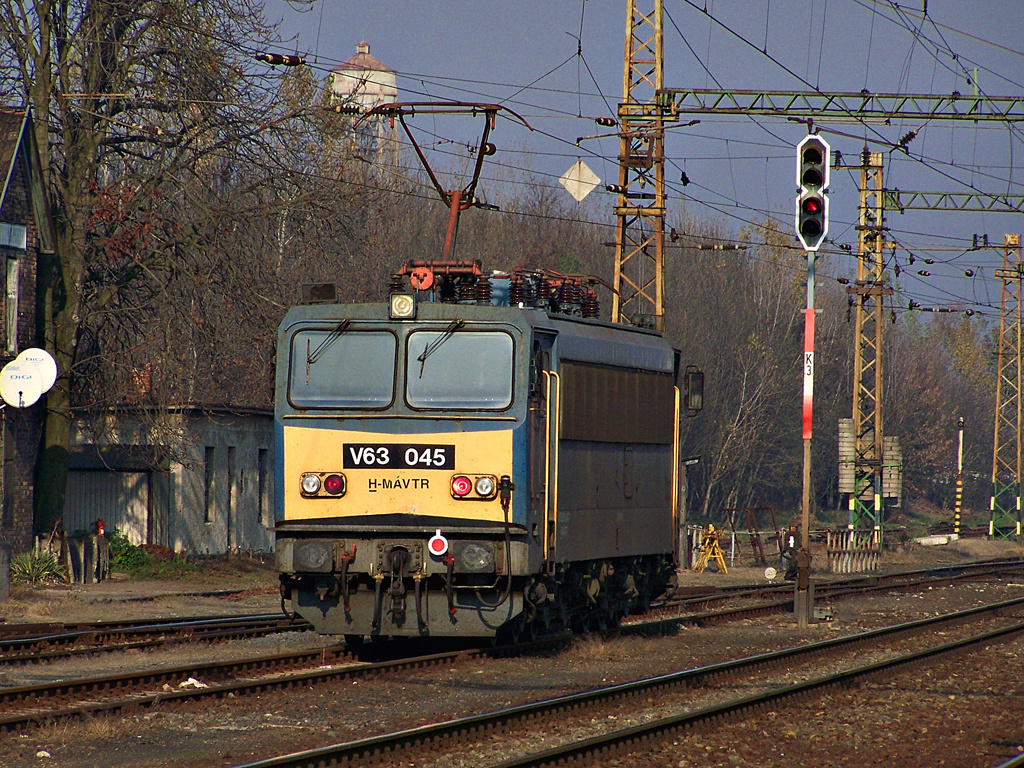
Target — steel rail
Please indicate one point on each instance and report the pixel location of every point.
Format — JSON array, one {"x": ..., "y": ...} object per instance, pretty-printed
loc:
[
  {"x": 225, "y": 675},
  {"x": 376, "y": 749},
  {"x": 34, "y": 648},
  {"x": 835, "y": 590},
  {"x": 599, "y": 748}
]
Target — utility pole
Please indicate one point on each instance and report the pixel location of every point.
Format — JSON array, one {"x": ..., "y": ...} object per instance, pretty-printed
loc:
[
  {"x": 1004, "y": 521},
  {"x": 868, "y": 292},
  {"x": 639, "y": 297},
  {"x": 813, "y": 156},
  {"x": 959, "y": 476}
]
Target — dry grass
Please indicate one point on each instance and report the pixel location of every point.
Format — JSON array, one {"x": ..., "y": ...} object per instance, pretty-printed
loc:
[
  {"x": 590, "y": 648},
  {"x": 69, "y": 732},
  {"x": 984, "y": 549}
]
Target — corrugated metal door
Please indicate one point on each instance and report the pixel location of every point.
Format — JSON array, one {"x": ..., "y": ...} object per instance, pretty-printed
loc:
[{"x": 120, "y": 498}]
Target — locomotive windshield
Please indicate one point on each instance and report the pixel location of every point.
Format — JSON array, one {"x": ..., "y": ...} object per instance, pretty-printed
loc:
[
  {"x": 339, "y": 368},
  {"x": 459, "y": 370}
]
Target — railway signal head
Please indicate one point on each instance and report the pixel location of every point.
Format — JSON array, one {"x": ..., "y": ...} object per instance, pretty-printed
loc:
[{"x": 812, "y": 162}]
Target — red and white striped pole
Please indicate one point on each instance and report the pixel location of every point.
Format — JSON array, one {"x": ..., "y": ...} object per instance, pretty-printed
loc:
[{"x": 802, "y": 601}]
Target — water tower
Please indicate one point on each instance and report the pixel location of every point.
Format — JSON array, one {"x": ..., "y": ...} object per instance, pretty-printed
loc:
[{"x": 366, "y": 82}]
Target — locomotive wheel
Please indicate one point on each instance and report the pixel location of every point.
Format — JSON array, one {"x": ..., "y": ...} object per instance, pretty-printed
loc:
[
  {"x": 354, "y": 641},
  {"x": 519, "y": 630}
]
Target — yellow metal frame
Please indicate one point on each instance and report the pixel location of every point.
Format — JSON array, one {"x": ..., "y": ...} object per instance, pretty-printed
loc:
[
  {"x": 551, "y": 464},
  {"x": 675, "y": 477},
  {"x": 411, "y": 490}
]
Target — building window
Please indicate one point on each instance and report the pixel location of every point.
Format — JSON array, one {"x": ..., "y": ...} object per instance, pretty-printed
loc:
[
  {"x": 231, "y": 500},
  {"x": 13, "y": 270},
  {"x": 262, "y": 473},
  {"x": 208, "y": 499}
]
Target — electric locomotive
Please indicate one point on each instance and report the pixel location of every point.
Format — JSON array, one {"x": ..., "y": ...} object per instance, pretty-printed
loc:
[{"x": 478, "y": 456}]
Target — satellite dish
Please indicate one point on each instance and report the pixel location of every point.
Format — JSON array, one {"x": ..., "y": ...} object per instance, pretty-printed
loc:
[
  {"x": 44, "y": 361},
  {"x": 21, "y": 384}
]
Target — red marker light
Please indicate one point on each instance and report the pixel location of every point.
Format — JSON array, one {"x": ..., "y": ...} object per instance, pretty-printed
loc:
[
  {"x": 461, "y": 486},
  {"x": 334, "y": 484},
  {"x": 438, "y": 544}
]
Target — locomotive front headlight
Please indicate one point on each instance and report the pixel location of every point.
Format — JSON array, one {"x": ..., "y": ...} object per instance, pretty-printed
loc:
[
  {"x": 402, "y": 306},
  {"x": 310, "y": 484},
  {"x": 477, "y": 557},
  {"x": 312, "y": 556},
  {"x": 484, "y": 486}
]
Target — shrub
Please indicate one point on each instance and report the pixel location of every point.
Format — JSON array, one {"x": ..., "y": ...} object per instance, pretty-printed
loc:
[
  {"x": 146, "y": 561},
  {"x": 124, "y": 555},
  {"x": 37, "y": 568}
]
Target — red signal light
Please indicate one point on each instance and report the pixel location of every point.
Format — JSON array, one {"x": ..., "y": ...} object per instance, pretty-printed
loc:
[
  {"x": 461, "y": 486},
  {"x": 812, "y": 205}
]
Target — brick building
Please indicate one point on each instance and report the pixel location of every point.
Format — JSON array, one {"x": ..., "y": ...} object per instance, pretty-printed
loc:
[{"x": 26, "y": 233}]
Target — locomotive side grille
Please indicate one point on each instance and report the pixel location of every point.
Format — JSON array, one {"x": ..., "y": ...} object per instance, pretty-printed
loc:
[{"x": 614, "y": 405}]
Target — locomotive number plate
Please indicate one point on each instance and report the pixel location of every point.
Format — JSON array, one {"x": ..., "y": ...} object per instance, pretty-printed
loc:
[{"x": 398, "y": 456}]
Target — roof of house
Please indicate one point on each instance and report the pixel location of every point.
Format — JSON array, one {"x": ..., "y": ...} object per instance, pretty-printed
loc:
[
  {"x": 12, "y": 127},
  {"x": 16, "y": 135}
]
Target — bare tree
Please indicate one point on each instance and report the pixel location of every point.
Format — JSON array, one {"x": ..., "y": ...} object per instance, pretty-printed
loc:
[{"x": 147, "y": 111}]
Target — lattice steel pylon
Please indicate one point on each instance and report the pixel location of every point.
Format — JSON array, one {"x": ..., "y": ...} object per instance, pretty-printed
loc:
[
  {"x": 1004, "y": 521},
  {"x": 868, "y": 292},
  {"x": 639, "y": 297}
]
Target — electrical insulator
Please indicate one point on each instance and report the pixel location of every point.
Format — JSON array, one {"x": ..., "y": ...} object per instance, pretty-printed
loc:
[
  {"x": 489, "y": 149},
  {"x": 618, "y": 189},
  {"x": 607, "y": 122},
  {"x": 483, "y": 290},
  {"x": 285, "y": 60}
]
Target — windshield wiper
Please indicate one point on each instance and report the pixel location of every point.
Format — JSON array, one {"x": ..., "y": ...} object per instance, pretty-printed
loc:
[
  {"x": 433, "y": 346},
  {"x": 333, "y": 336}
]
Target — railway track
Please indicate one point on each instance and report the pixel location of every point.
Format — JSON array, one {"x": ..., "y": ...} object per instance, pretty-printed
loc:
[
  {"x": 35, "y": 643},
  {"x": 26, "y": 706},
  {"x": 757, "y": 600},
  {"x": 591, "y": 704}
]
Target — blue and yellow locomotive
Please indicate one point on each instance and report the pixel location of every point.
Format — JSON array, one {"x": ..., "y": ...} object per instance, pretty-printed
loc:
[{"x": 479, "y": 455}]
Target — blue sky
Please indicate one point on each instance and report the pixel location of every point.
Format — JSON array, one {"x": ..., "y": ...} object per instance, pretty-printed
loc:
[{"x": 559, "y": 64}]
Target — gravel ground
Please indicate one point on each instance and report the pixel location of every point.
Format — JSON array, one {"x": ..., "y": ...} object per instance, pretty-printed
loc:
[{"x": 945, "y": 720}]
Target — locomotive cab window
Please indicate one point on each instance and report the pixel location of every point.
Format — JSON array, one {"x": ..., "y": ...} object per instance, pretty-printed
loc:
[
  {"x": 338, "y": 368},
  {"x": 462, "y": 370}
]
